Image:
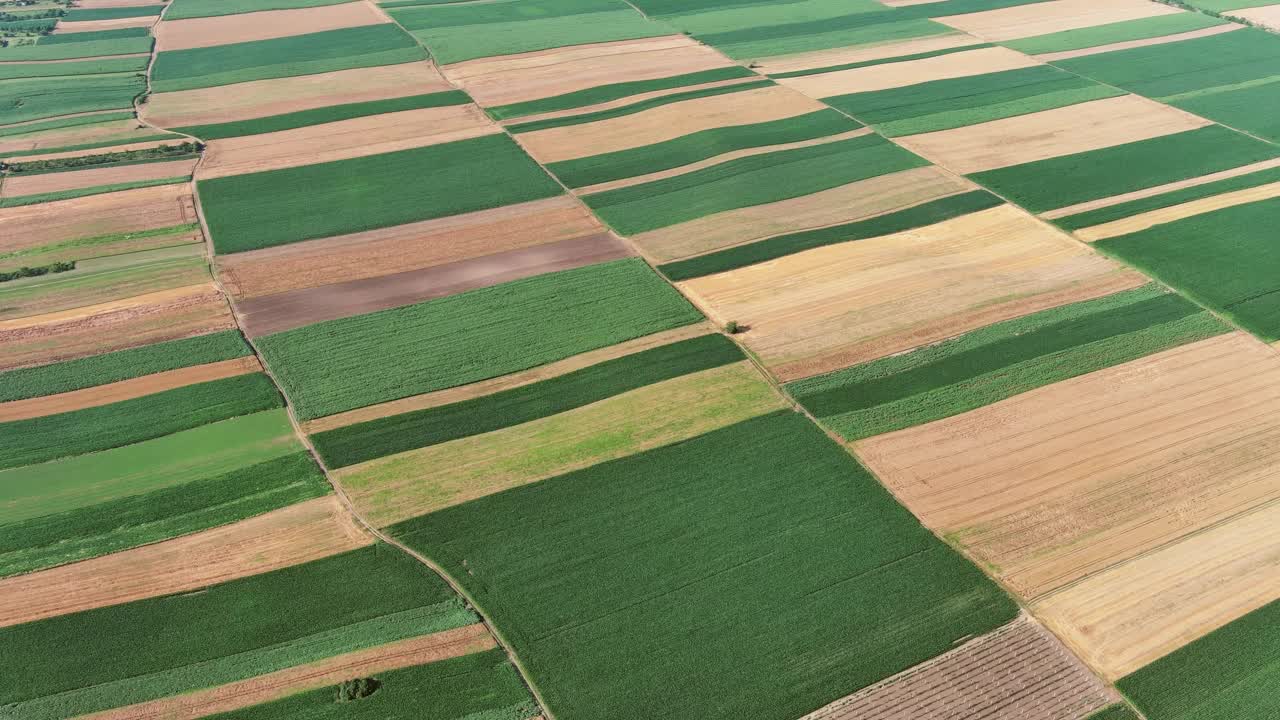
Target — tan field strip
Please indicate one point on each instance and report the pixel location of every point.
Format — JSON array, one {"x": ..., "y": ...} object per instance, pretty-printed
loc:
[
  {"x": 416, "y": 482},
  {"x": 176, "y": 140},
  {"x": 264, "y": 25},
  {"x": 301, "y": 678},
  {"x": 32, "y": 226},
  {"x": 1049, "y": 17},
  {"x": 113, "y": 130},
  {"x": 846, "y": 203},
  {"x": 125, "y": 389},
  {"x": 1051, "y": 133},
  {"x": 548, "y": 73},
  {"x": 900, "y": 74},
  {"x": 505, "y": 382},
  {"x": 1267, "y": 15},
  {"x": 1159, "y": 189},
  {"x": 1128, "y": 616},
  {"x": 1113, "y": 47},
  {"x": 289, "y": 536},
  {"x": 1018, "y": 671},
  {"x": 666, "y": 122},
  {"x": 835, "y": 306},
  {"x": 1178, "y": 212},
  {"x": 342, "y": 140},
  {"x": 1059, "y": 483},
  {"x": 262, "y": 98},
  {"x": 862, "y": 53},
  {"x": 19, "y": 185},
  {"x": 404, "y": 247},
  {"x": 64, "y": 27}
]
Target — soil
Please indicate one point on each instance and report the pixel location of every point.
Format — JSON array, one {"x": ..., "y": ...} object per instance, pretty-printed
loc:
[
  {"x": 150, "y": 208},
  {"x": 63, "y": 27},
  {"x": 19, "y": 185},
  {"x": 911, "y": 72},
  {"x": 110, "y": 131},
  {"x": 264, "y": 25},
  {"x": 1050, "y": 17}
]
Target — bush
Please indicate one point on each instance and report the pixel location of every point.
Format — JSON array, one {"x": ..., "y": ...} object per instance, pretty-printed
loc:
[
  {"x": 358, "y": 688},
  {"x": 732, "y": 327}
]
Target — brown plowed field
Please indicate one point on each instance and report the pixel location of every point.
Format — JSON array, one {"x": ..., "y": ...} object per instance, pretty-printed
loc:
[
  {"x": 32, "y": 226},
  {"x": 1146, "y": 220},
  {"x": 285, "y": 311},
  {"x": 19, "y": 185},
  {"x": 64, "y": 27},
  {"x": 1016, "y": 672},
  {"x": 857, "y": 54},
  {"x": 666, "y": 122},
  {"x": 1065, "y": 481},
  {"x": 146, "y": 319},
  {"x": 1159, "y": 189},
  {"x": 1050, "y": 17},
  {"x": 358, "y": 137},
  {"x": 835, "y": 306},
  {"x": 911, "y": 72},
  {"x": 844, "y": 204},
  {"x": 403, "y": 248},
  {"x": 125, "y": 389},
  {"x": 289, "y": 536},
  {"x": 113, "y": 130},
  {"x": 548, "y": 73},
  {"x": 264, "y": 25},
  {"x": 1050, "y": 133},
  {"x": 1113, "y": 47},
  {"x": 262, "y": 98},
  {"x": 330, "y": 671}
]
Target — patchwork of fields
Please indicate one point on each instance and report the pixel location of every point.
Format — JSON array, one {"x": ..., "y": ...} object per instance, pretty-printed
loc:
[{"x": 580, "y": 359}]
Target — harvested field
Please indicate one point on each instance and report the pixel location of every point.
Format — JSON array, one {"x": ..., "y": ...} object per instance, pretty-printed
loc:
[
  {"x": 20, "y": 185},
  {"x": 1147, "y": 220},
  {"x": 1056, "y": 484},
  {"x": 114, "y": 132},
  {"x": 265, "y": 25},
  {"x": 1267, "y": 16},
  {"x": 1125, "y": 45},
  {"x": 846, "y": 203},
  {"x": 806, "y": 316},
  {"x": 900, "y": 74},
  {"x": 288, "y": 310},
  {"x": 262, "y": 98},
  {"x": 64, "y": 27},
  {"x": 283, "y": 538},
  {"x": 404, "y": 248},
  {"x": 1040, "y": 18},
  {"x": 1017, "y": 672},
  {"x": 1051, "y": 133},
  {"x": 848, "y": 55}
]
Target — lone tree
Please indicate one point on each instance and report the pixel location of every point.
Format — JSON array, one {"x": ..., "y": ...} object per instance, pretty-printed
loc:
[{"x": 358, "y": 688}]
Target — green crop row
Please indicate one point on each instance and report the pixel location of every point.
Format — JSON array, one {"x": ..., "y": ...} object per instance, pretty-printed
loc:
[
  {"x": 58, "y": 123},
  {"x": 15, "y": 71},
  {"x": 318, "y": 116},
  {"x": 614, "y": 91},
  {"x": 881, "y": 61},
  {"x": 1169, "y": 199},
  {"x": 186, "y": 9},
  {"x": 1127, "y": 30},
  {"x": 69, "y": 46},
  {"x": 636, "y": 107},
  {"x": 39, "y": 98},
  {"x": 112, "y": 13}
]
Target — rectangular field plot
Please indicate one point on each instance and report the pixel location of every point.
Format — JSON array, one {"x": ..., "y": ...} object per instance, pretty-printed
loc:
[
  {"x": 267, "y": 25},
  {"x": 649, "y": 565},
  {"x": 125, "y": 41},
  {"x": 184, "y": 9},
  {"x": 1038, "y": 18},
  {"x": 38, "y": 98},
  {"x": 1062, "y": 44}
]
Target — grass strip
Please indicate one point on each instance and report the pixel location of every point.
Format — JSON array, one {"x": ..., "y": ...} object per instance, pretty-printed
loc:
[
  {"x": 1002, "y": 360},
  {"x": 1140, "y": 29},
  {"x": 881, "y": 61},
  {"x": 319, "y": 116},
  {"x": 408, "y": 431},
  {"x": 634, "y": 108},
  {"x": 1169, "y": 199},
  {"x": 615, "y": 91},
  {"x": 24, "y": 442},
  {"x": 112, "y": 13},
  {"x": 135, "y": 520},
  {"x": 22, "y": 200}
]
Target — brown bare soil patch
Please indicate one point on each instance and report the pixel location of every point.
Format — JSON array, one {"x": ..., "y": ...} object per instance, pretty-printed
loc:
[
  {"x": 1159, "y": 189},
  {"x": 121, "y": 131},
  {"x": 289, "y": 536},
  {"x": 63, "y": 27},
  {"x": 1016, "y": 672},
  {"x": 119, "y": 212},
  {"x": 505, "y": 382},
  {"x": 262, "y": 98},
  {"x": 125, "y": 389},
  {"x": 862, "y": 53},
  {"x": 1267, "y": 15},
  {"x": 1130, "y": 615},
  {"x": 847, "y": 203},
  {"x": 834, "y": 306},
  {"x": 358, "y": 137},
  {"x": 911, "y": 72},
  {"x": 1113, "y": 47},
  {"x": 548, "y": 73},
  {"x": 330, "y": 671},
  {"x": 285, "y": 311},
  {"x": 1051, "y": 133},
  {"x": 1049, "y": 17},
  {"x": 264, "y": 25},
  {"x": 1178, "y": 212},
  {"x": 666, "y": 122},
  {"x": 403, "y": 248},
  {"x": 1065, "y": 481},
  {"x": 19, "y": 185},
  {"x": 166, "y": 315}
]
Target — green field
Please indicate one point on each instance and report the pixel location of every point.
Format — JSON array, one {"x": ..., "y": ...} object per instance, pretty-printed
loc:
[
  {"x": 1115, "y": 712},
  {"x": 465, "y": 31},
  {"x": 480, "y": 686},
  {"x": 386, "y": 436},
  {"x": 114, "y": 656},
  {"x": 1227, "y": 260},
  {"x": 1229, "y": 674},
  {"x": 345, "y": 49},
  {"x": 633, "y": 108},
  {"x": 246, "y": 212},
  {"x": 1177, "y": 197},
  {"x": 185, "y": 9},
  {"x": 319, "y": 116},
  {"x": 1140, "y": 29},
  {"x": 25, "y": 442},
  {"x": 1002, "y": 360},
  {"x": 614, "y": 91},
  {"x": 115, "y": 13},
  {"x": 130, "y": 521},
  {"x": 98, "y": 246},
  {"x": 699, "y": 146},
  {"x": 1070, "y": 179},
  {"x": 470, "y": 336},
  {"x": 39, "y": 98},
  {"x": 749, "y": 181},
  {"x": 126, "y": 41},
  {"x": 15, "y": 71},
  {"x": 754, "y": 571}
]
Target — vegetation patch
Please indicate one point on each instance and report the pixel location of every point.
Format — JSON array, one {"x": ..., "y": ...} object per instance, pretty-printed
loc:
[
  {"x": 1140, "y": 29},
  {"x": 39, "y": 98},
  {"x": 69, "y": 46},
  {"x": 113, "y": 13},
  {"x": 186, "y": 9},
  {"x": 319, "y": 116},
  {"x": 21, "y": 200},
  {"x": 615, "y": 91},
  {"x": 636, "y": 107},
  {"x": 59, "y": 123},
  {"x": 27, "y": 271},
  {"x": 881, "y": 61},
  {"x": 15, "y": 71},
  {"x": 1169, "y": 199},
  {"x": 122, "y": 157}
]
